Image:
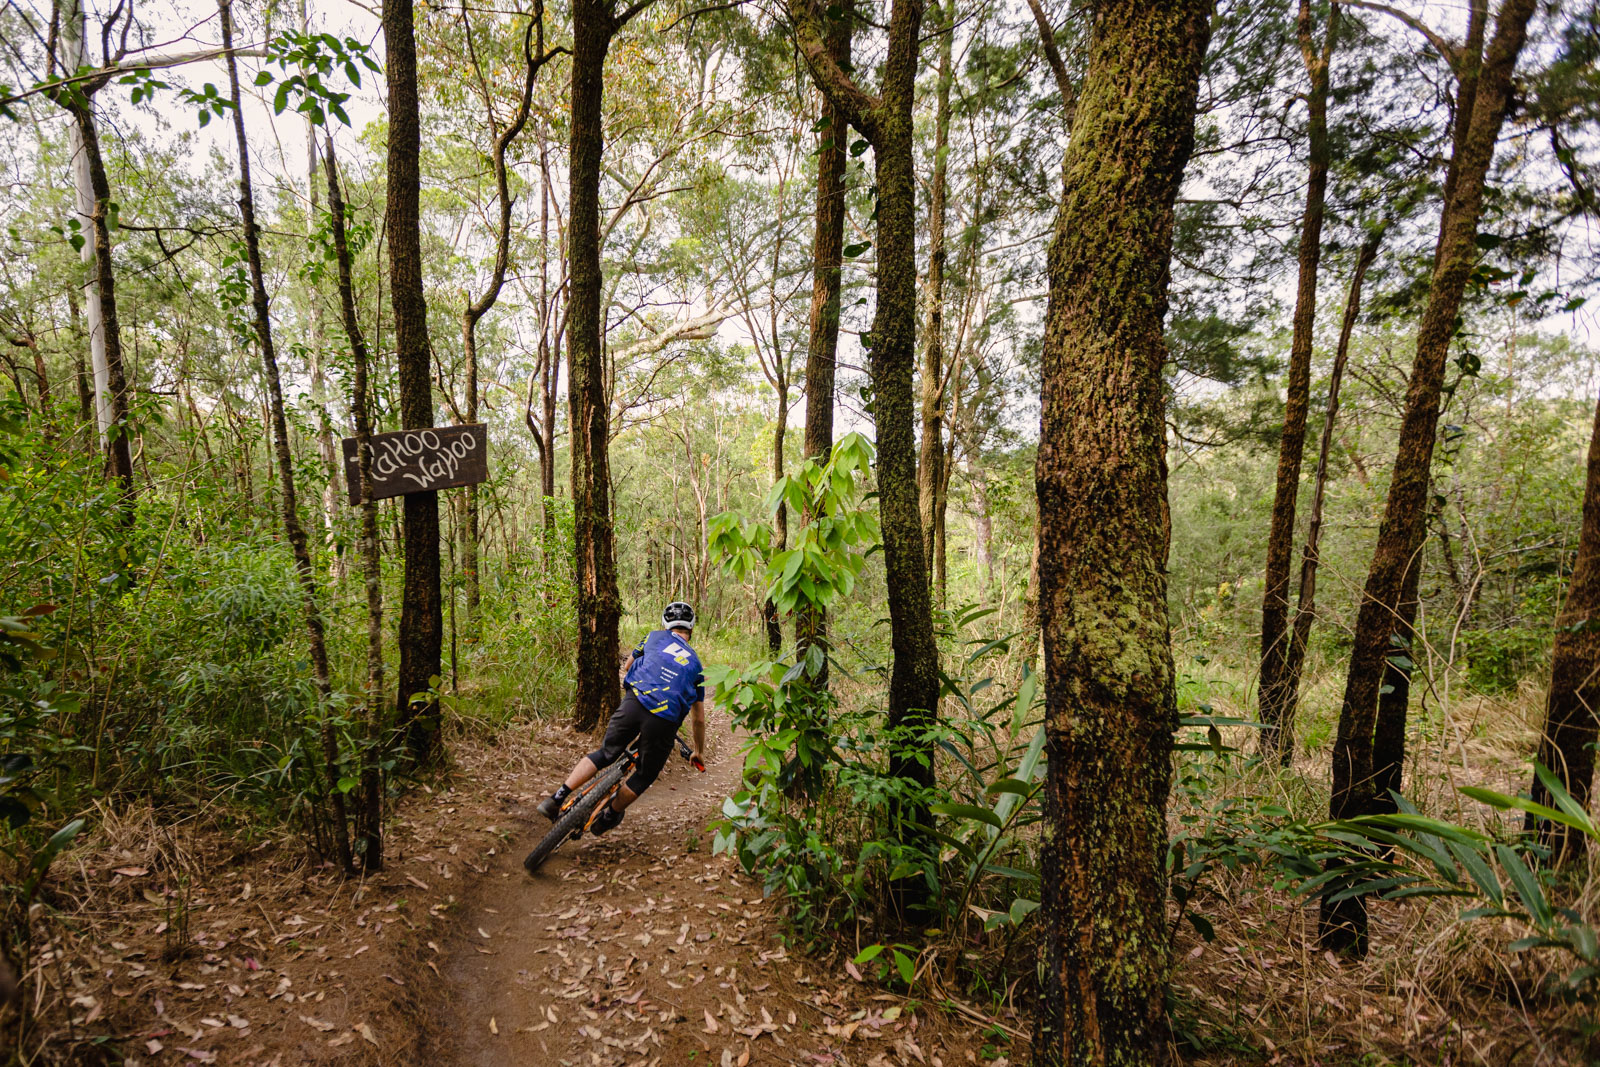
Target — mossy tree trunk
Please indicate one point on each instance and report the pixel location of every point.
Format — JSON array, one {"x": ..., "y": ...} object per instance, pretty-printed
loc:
[
  {"x": 1275, "y": 635},
  {"x": 598, "y": 601},
  {"x": 1305, "y": 612},
  {"x": 421, "y": 606},
  {"x": 1483, "y": 96},
  {"x": 1571, "y": 728},
  {"x": 1101, "y": 480},
  {"x": 885, "y": 120},
  {"x": 827, "y": 261}
]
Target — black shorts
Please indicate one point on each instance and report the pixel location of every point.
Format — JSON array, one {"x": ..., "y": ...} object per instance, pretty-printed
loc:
[{"x": 656, "y": 736}]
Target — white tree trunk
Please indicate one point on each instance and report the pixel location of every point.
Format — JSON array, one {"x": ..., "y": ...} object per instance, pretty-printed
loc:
[{"x": 72, "y": 33}]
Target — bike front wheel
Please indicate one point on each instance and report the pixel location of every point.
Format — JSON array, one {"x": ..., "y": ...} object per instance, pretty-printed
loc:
[{"x": 572, "y": 821}]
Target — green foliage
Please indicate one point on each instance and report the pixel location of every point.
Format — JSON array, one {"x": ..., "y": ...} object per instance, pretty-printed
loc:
[
  {"x": 828, "y": 552},
  {"x": 315, "y": 56},
  {"x": 1408, "y": 854}
]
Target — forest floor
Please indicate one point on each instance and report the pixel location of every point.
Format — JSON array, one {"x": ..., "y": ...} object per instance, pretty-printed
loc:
[
  {"x": 179, "y": 944},
  {"x": 214, "y": 941}
]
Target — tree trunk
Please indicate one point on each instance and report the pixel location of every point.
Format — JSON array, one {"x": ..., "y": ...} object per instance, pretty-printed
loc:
[
  {"x": 105, "y": 334},
  {"x": 1291, "y": 448},
  {"x": 930, "y": 472},
  {"x": 81, "y": 371},
  {"x": 892, "y": 356},
  {"x": 983, "y": 524},
  {"x": 477, "y": 309},
  {"x": 1305, "y": 612},
  {"x": 1483, "y": 97},
  {"x": 598, "y": 602},
  {"x": 827, "y": 258},
  {"x": 369, "y": 813},
  {"x": 319, "y": 378},
  {"x": 914, "y": 677},
  {"x": 769, "y": 610},
  {"x": 1566, "y": 745},
  {"x": 1394, "y": 695},
  {"x": 280, "y": 438},
  {"x": 421, "y": 607},
  {"x": 1101, "y": 476}
]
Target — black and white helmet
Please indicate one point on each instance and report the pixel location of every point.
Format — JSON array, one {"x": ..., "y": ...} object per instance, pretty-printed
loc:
[{"x": 677, "y": 616}]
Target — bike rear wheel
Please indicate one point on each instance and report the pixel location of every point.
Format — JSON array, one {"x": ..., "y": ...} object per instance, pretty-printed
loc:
[{"x": 574, "y": 819}]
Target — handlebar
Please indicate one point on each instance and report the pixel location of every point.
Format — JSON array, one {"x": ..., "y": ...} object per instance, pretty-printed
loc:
[{"x": 688, "y": 753}]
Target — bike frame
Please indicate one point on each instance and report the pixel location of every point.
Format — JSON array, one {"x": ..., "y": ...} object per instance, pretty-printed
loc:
[{"x": 629, "y": 759}]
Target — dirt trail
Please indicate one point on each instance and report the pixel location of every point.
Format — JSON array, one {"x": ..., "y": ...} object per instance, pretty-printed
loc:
[{"x": 640, "y": 948}]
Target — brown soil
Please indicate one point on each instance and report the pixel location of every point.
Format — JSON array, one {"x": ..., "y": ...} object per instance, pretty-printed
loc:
[
  {"x": 204, "y": 942},
  {"x": 641, "y": 948}
]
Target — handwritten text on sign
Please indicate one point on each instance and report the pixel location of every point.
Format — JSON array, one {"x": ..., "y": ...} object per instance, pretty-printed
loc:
[{"x": 414, "y": 461}]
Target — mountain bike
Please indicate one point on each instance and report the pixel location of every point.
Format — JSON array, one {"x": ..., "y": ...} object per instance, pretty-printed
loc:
[{"x": 578, "y": 812}]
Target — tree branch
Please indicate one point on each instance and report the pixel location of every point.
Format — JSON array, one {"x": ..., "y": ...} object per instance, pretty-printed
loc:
[
  {"x": 858, "y": 107},
  {"x": 1058, "y": 66},
  {"x": 1449, "y": 51}
]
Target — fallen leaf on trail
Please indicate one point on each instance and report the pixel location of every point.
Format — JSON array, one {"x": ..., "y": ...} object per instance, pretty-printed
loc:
[
  {"x": 483, "y": 933},
  {"x": 238, "y": 1022},
  {"x": 200, "y": 1054},
  {"x": 744, "y": 1058},
  {"x": 342, "y": 1039},
  {"x": 418, "y": 882},
  {"x": 854, "y": 972},
  {"x": 891, "y": 1014},
  {"x": 711, "y": 1024},
  {"x": 154, "y": 1046},
  {"x": 318, "y": 1023},
  {"x": 493, "y": 1029},
  {"x": 366, "y": 1032},
  {"x": 132, "y": 872}
]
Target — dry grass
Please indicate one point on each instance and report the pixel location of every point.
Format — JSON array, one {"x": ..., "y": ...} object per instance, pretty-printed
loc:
[{"x": 1434, "y": 989}]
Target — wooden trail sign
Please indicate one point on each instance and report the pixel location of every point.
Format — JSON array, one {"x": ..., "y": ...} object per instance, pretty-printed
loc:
[{"x": 416, "y": 461}]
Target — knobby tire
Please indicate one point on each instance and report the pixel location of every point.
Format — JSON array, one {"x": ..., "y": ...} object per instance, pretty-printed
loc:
[{"x": 575, "y": 818}]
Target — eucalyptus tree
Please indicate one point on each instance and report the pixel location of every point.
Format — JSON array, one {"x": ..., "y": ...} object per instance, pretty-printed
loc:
[
  {"x": 1484, "y": 66},
  {"x": 884, "y": 119},
  {"x": 369, "y": 812},
  {"x": 293, "y": 528},
  {"x": 1275, "y": 637},
  {"x": 534, "y": 57},
  {"x": 932, "y": 477},
  {"x": 598, "y": 601},
  {"x": 827, "y": 264},
  {"x": 1101, "y": 481}
]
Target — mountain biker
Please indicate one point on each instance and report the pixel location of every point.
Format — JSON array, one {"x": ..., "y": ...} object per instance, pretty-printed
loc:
[{"x": 662, "y": 683}]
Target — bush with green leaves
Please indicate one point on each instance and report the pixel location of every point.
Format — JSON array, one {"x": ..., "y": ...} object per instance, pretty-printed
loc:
[
  {"x": 819, "y": 816},
  {"x": 1407, "y": 854}
]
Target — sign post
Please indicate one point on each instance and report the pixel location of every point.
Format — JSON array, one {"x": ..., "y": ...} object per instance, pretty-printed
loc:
[{"x": 417, "y": 461}]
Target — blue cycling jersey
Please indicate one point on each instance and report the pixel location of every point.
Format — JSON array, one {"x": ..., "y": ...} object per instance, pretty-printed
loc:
[{"x": 666, "y": 675}]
